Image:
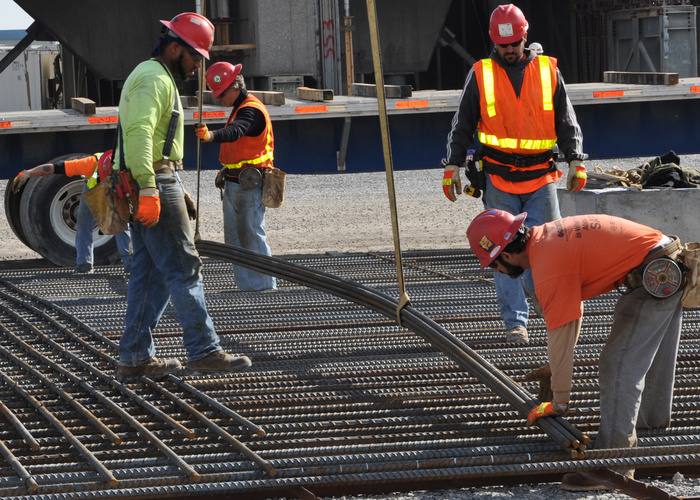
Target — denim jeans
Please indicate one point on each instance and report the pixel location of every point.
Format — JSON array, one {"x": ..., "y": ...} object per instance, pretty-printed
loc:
[
  {"x": 166, "y": 266},
  {"x": 84, "y": 238},
  {"x": 541, "y": 206},
  {"x": 637, "y": 367},
  {"x": 244, "y": 226}
]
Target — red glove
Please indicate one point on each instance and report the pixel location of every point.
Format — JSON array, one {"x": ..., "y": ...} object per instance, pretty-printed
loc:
[
  {"x": 202, "y": 132},
  {"x": 149, "y": 207},
  {"x": 546, "y": 410},
  {"x": 576, "y": 179},
  {"x": 451, "y": 183}
]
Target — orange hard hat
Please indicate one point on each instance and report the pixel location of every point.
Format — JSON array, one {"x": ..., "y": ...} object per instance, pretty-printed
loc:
[
  {"x": 104, "y": 165},
  {"x": 491, "y": 231},
  {"x": 507, "y": 25},
  {"x": 196, "y": 30},
  {"x": 220, "y": 76}
]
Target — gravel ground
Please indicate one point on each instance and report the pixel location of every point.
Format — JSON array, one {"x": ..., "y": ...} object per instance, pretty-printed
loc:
[{"x": 350, "y": 212}]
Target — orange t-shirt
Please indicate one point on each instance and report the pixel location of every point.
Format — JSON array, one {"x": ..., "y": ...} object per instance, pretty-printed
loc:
[{"x": 580, "y": 257}]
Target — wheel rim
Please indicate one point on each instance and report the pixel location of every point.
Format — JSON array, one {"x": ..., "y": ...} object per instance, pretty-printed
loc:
[{"x": 64, "y": 214}]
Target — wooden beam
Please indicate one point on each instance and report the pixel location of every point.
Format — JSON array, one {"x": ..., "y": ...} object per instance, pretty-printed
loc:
[
  {"x": 84, "y": 105},
  {"x": 390, "y": 91},
  {"x": 643, "y": 78},
  {"x": 314, "y": 94},
  {"x": 269, "y": 97}
]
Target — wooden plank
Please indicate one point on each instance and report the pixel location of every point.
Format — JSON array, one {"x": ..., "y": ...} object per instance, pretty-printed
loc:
[
  {"x": 390, "y": 91},
  {"x": 642, "y": 78},
  {"x": 84, "y": 105},
  {"x": 314, "y": 94},
  {"x": 269, "y": 97}
]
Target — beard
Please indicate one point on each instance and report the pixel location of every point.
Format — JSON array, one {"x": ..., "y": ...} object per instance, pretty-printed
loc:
[
  {"x": 512, "y": 271},
  {"x": 179, "y": 68}
]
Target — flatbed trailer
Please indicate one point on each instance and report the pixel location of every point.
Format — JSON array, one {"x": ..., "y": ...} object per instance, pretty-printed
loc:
[{"x": 342, "y": 134}]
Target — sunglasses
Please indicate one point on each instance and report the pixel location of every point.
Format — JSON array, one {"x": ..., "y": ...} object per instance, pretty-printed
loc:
[
  {"x": 196, "y": 56},
  {"x": 506, "y": 45},
  {"x": 494, "y": 264}
]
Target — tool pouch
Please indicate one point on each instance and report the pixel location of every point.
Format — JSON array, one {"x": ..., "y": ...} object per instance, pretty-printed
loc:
[
  {"x": 273, "y": 188},
  {"x": 100, "y": 200},
  {"x": 125, "y": 194},
  {"x": 690, "y": 255}
]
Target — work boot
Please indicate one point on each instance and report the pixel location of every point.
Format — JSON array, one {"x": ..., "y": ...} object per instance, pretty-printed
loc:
[
  {"x": 517, "y": 335},
  {"x": 219, "y": 361},
  {"x": 84, "y": 269},
  {"x": 154, "y": 367}
]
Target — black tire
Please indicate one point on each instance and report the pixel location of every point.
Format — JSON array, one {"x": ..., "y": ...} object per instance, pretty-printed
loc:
[
  {"x": 12, "y": 202},
  {"x": 48, "y": 212}
]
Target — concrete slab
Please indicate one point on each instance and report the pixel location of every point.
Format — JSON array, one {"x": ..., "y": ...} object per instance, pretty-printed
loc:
[{"x": 672, "y": 211}]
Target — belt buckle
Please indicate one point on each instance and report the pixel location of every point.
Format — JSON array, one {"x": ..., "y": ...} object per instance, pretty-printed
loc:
[{"x": 519, "y": 161}]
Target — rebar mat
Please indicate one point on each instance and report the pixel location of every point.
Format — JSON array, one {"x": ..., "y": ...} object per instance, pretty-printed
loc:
[{"x": 339, "y": 397}]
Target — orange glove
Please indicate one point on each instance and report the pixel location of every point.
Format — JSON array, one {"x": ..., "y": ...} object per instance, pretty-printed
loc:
[
  {"x": 576, "y": 179},
  {"x": 20, "y": 181},
  {"x": 202, "y": 132},
  {"x": 546, "y": 410},
  {"x": 149, "y": 207},
  {"x": 451, "y": 183}
]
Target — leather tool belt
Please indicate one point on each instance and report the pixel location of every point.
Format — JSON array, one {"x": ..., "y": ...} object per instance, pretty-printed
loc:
[
  {"x": 520, "y": 161},
  {"x": 635, "y": 278}
]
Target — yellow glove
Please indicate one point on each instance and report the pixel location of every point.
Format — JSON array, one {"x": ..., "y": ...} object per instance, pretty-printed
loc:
[
  {"x": 577, "y": 176},
  {"x": 451, "y": 183},
  {"x": 20, "y": 181}
]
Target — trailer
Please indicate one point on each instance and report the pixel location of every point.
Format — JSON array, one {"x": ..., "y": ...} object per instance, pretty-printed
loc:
[{"x": 291, "y": 45}]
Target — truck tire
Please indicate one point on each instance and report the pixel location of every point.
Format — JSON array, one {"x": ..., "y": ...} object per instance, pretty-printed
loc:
[
  {"x": 48, "y": 212},
  {"x": 12, "y": 202}
]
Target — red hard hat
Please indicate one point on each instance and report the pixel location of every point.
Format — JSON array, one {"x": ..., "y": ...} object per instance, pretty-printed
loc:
[
  {"x": 491, "y": 231},
  {"x": 194, "y": 29},
  {"x": 104, "y": 165},
  {"x": 508, "y": 24},
  {"x": 220, "y": 76}
]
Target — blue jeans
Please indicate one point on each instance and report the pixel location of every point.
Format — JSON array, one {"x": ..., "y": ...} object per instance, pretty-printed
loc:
[
  {"x": 84, "y": 237},
  {"x": 166, "y": 266},
  {"x": 244, "y": 226},
  {"x": 541, "y": 206},
  {"x": 637, "y": 367}
]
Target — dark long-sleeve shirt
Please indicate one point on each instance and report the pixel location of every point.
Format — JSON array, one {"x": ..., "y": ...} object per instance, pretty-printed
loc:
[
  {"x": 468, "y": 115},
  {"x": 250, "y": 121}
]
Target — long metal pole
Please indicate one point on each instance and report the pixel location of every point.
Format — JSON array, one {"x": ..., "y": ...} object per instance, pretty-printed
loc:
[
  {"x": 200, "y": 77},
  {"x": 386, "y": 145}
]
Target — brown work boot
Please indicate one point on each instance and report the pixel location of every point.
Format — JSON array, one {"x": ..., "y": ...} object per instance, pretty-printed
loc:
[
  {"x": 578, "y": 482},
  {"x": 517, "y": 335},
  {"x": 154, "y": 367},
  {"x": 219, "y": 361}
]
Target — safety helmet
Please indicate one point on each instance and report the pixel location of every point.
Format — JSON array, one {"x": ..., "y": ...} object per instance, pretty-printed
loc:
[
  {"x": 491, "y": 231},
  {"x": 194, "y": 29},
  {"x": 221, "y": 75},
  {"x": 104, "y": 164},
  {"x": 507, "y": 24},
  {"x": 536, "y": 48}
]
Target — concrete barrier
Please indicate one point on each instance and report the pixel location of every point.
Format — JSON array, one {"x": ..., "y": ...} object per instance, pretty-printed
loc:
[{"x": 672, "y": 211}]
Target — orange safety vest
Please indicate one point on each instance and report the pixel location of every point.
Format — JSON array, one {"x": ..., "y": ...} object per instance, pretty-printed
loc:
[
  {"x": 249, "y": 151},
  {"x": 520, "y": 126}
]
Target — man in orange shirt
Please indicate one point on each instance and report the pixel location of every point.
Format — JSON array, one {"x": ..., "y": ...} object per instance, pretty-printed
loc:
[{"x": 577, "y": 258}]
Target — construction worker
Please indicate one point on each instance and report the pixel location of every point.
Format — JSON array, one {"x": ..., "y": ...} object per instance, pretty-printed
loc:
[
  {"x": 518, "y": 103},
  {"x": 93, "y": 168},
  {"x": 578, "y": 258},
  {"x": 247, "y": 149},
  {"x": 166, "y": 264}
]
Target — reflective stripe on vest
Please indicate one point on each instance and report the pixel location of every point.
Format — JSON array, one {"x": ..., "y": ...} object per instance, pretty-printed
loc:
[
  {"x": 489, "y": 90},
  {"x": 92, "y": 180},
  {"x": 265, "y": 159}
]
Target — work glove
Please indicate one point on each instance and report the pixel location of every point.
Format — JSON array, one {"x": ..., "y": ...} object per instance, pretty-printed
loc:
[
  {"x": 548, "y": 409},
  {"x": 543, "y": 375},
  {"x": 191, "y": 206},
  {"x": 202, "y": 132},
  {"x": 220, "y": 180},
  {"x": 20, "y": 181},
  {"x": 149, "y": 207},
  {"x": 577, "y": 176},
  {"x": 451, "y": 183}
]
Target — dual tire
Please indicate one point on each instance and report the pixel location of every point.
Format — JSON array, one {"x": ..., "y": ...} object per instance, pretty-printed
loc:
[{"x": 43, "y": 215}]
